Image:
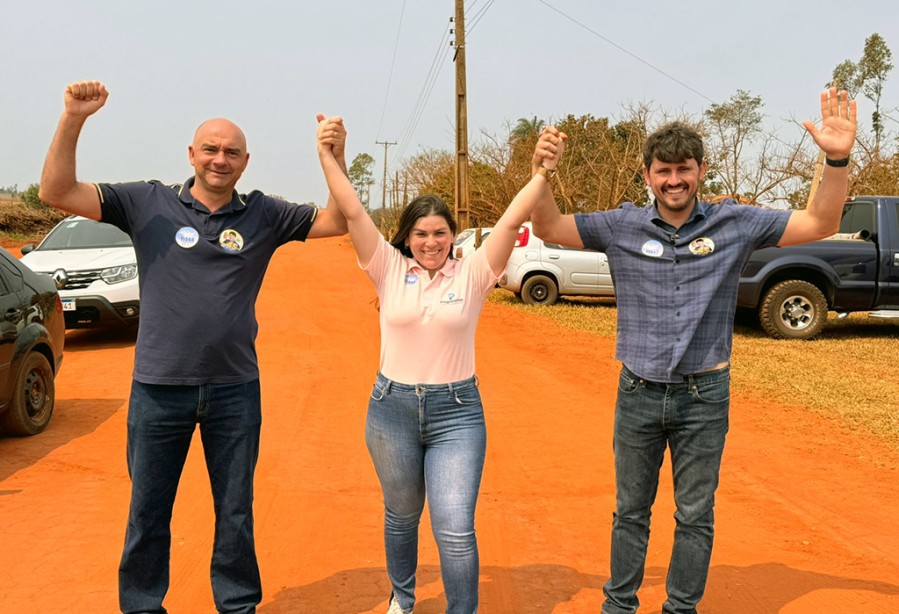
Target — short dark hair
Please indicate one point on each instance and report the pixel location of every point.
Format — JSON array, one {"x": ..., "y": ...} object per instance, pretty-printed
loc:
[
  {"x": 423, "y": 206},
  {"x": 672, "y": 143}
]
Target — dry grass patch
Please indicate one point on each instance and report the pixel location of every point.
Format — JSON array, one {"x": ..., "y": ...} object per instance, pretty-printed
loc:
[
  {"x": 594, "y": 315},
  {"x": 22, "y": 224},
  {"x": 848, "y": 373}
]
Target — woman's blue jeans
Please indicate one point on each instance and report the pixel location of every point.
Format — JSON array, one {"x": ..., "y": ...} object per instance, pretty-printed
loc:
[
  {"x": 161, "y": 423},
  {"x": 692, "y": 418},
  {"x": 429, "y": 439}
]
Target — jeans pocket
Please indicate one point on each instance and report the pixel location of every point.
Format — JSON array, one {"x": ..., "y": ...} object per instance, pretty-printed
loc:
[
  {"x": 467, "y": 397},
  {"x": 627, "y": 383},
  {"x": 717, "y": 391},
  {"x": 378, "y": 391},
  {"x": 467, "y": 394}
]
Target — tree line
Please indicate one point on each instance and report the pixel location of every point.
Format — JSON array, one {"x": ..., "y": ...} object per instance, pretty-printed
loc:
[{"x": 747, "y": 159}]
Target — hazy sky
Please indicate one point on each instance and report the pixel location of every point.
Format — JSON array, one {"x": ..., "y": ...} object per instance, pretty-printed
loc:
[{"x": 272, "y": 65}]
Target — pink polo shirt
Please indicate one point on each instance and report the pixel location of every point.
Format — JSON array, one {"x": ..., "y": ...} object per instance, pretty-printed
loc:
[{"x": 428, "y": 325}]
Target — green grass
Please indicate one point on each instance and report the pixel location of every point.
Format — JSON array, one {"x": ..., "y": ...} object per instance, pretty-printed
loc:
[{"x": 849, "y": 373}]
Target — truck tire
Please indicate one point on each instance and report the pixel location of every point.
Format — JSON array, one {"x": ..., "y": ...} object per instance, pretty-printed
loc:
[
  {"x": 539, "y": 290},
  {"x": 793, "y": 309}
]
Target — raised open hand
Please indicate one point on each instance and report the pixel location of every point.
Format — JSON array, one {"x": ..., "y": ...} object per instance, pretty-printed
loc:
[{"x": 836, "y": 135}]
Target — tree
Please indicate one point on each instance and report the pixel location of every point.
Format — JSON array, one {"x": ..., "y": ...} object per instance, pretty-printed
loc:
[
  {"x": 733, "y": 127},
  {"x": 360, "y": 175},
  {"x": 845, "y": 77},
  {"x": 432, "y": 172},
  {"x": 867, "y": 76},
  {"x": 527, "y": 129},
  {"x": 602, "y": 165},
  {"x": 31, "y": 199},
  {"x": 746, "y": 161},
  {"x": 873, "y": 69}
]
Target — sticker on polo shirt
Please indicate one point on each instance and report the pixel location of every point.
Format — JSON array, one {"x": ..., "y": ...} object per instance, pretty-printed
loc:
[
  {"x": 702, "y": 246},
  {"x": 187, "y": 237},
  {"x": 452, "y": 299},
  {"x": 411, "y": 279},
  {"x": 653, "y": 249},
  {"x": 231, "y": 241}
]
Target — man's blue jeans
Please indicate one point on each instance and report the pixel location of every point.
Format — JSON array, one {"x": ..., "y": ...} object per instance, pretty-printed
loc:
[
  {"x": 161, "y": 422},
  {"x": 692, "y": 418},
  {"x": 429, "y": 439}
]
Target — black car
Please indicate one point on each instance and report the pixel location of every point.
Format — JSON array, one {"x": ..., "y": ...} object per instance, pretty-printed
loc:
[{"x": 32, "y": 334}]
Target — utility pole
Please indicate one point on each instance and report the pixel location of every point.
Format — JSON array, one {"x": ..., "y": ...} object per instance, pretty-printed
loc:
[
  {"x": 461, "y": 191},
  {"x": 386, "y": 144}
]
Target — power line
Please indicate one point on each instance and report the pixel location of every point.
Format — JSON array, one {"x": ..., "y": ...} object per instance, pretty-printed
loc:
[
  {"x": 425, "y": 94},
  {"x": 478, "y": 16},
  {"x": 396, "y": 45},
  {"x": 620, "y": 48}
]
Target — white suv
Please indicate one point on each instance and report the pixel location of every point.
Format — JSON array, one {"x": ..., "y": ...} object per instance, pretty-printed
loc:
[
  {"x": 538, "y": 273},
  {"x": 95, "y": 270}
]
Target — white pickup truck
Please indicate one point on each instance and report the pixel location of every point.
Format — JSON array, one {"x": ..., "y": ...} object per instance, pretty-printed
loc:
[{"x": 95, "y": 270}]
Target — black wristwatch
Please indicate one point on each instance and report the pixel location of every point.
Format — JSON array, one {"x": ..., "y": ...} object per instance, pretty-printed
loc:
[{"x": 837, "y": 163}]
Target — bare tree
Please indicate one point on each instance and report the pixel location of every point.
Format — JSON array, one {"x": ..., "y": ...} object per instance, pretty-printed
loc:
[{"x": 750, "y": 162}]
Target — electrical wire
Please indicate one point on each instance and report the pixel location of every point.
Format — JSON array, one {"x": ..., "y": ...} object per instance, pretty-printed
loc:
[
  {"x": 424, "y": 95},
  {"x": 396, "y": 45},
  {"x": 622, "y": 49},
  {"x": 477, "y": 17}
]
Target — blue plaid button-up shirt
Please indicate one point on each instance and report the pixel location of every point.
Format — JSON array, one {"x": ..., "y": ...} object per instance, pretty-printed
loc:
[{"x": 676, "y": 288}]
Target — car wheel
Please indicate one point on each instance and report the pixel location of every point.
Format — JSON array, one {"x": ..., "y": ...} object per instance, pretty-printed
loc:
[
  {"x": 793, "y": 309},
  {"x": 33, "y": 397},
  {"x": 539, "y": 290}
]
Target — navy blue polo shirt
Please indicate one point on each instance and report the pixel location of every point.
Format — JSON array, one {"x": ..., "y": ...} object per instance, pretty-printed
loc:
[
  {"x": 676, "y": 288},
  {"x": 200, "y": 274}
]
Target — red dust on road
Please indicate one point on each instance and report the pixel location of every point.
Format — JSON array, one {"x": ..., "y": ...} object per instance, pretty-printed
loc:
[{"x": 806, "y": 513}]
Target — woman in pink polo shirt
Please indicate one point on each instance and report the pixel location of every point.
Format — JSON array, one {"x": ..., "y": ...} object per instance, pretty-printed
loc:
[{"x": 425, "y": 426}]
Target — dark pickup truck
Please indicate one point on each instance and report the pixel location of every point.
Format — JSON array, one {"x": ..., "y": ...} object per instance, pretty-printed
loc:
[{"x": 792, "y": 288}]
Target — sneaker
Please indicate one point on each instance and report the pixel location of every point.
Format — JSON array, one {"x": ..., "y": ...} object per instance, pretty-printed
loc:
[{"x": 394, "y": 607}]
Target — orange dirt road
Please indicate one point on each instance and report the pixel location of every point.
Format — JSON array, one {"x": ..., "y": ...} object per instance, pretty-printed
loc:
[{"x": 807, "y": 514}]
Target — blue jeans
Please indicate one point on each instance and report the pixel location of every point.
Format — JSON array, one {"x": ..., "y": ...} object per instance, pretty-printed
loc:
[
  {"x": 161, "y": 422},
  {"x": 429, "y": 439},
  {"x": 692, "y": 418}
]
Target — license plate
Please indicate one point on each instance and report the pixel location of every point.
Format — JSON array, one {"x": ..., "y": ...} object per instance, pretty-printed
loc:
[{"x": 68, "y": 304}]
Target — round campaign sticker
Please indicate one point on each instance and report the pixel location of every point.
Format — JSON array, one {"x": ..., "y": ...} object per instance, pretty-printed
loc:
[
  {"x": 187, "y": 237},
  {"x": 653, "y": 249},
  {"x": 231, "y": 241},
  {"x": 702, "y": 246}
]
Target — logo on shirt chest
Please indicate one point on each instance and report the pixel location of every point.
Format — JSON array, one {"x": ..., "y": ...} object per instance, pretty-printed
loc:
[
  {"x": 187, "y": 237},
  {"x": 411, "y": 279},
  {"x": 452, "y": 299}
]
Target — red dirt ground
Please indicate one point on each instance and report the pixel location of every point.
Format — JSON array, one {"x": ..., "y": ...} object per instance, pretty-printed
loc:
[{"x": 806, "y": 514}]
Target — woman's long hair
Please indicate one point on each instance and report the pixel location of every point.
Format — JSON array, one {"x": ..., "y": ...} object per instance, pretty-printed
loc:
[{"x": 423, "y": 206}]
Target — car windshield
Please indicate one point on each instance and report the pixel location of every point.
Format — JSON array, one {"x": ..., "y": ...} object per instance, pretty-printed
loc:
[{"x": 81, "y": 234}]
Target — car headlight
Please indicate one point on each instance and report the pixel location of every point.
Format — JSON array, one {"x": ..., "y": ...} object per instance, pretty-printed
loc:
[{"x": 118, "y": 274}]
